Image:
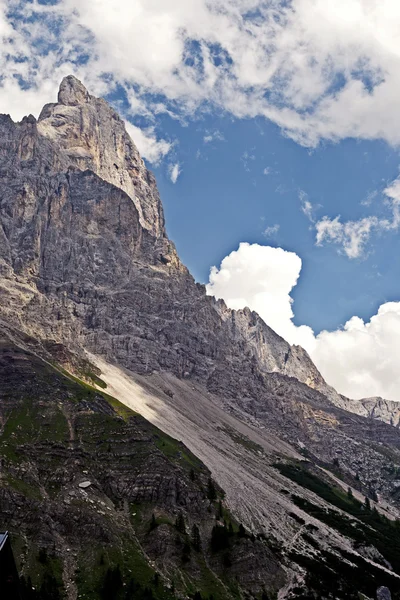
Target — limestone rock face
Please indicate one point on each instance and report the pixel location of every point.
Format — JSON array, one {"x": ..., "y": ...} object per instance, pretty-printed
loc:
[
  {"x": 90, "y": 135},
  {"x": 375, "y": 408},
  {"x": 85, "y": 260}
]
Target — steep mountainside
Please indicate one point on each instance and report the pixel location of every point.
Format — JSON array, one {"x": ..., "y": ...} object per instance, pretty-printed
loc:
[
  {"x": 87, "y": 486},
  {"x": 85, "y": 257},
  {"x": 87, "y": 273}
]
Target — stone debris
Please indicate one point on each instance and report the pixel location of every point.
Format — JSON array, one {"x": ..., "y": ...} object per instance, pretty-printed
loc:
[{"x": 85, "y": 484}]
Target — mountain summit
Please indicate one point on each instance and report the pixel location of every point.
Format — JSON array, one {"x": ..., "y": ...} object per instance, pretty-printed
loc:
[
  {"x": 90, "y": 284},
  {"x": 90, "y": 135}
]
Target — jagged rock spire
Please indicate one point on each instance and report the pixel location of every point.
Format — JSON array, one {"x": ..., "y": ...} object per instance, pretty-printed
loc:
[
  {"x": 72, "y": 92},
  {"x": 90, "y": 135}
]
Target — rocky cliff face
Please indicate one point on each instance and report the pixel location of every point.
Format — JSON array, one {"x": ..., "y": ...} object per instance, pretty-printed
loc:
[
  {"x": 83, "y": 241},
  {"x": 86, "y": 268},
  {"x": 387, "y": 411},
  {"x": 89, "y": 135}
]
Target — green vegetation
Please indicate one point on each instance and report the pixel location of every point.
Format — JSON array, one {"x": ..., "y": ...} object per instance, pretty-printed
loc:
[
  {"x": 95, "y": 379},
  {"x": 84, "y": 391},
  {"x": 110, "y": 572},
  {"x": 29, "y": 423},
  {"x": 366, "y": 527},
  {"x": 45, "y": 581},
  {"x": 58, "y": 430},
  {"x": 300, "y": 474},
  {"x": 177, "y": 452},
  {"x": 26, "y": 489},
  {"x": 342, "y": 576}
]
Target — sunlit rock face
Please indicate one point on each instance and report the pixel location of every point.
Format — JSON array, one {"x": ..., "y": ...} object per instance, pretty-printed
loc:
[{"x": 91, "y": 135}]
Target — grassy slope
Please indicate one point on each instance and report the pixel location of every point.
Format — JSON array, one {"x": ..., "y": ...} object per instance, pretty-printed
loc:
[{"x": 54, "y": 428}]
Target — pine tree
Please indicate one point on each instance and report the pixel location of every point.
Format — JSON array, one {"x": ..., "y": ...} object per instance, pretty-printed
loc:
[
  {"x": 112, "y": 584},
  {"x": 350, "y": 493},
  {"x": 196, "y": 539},
  {"x": 211, "y": 491},
  {"x": 42, "y": 557},
  {"x": 153, "y": 522},
  {"x": 49, "y": 590},
  {"x": 367, "y": 503},
  {"x": 186, "y": 551},
  {"x": 373, "y": 494},
  {"x": 219, "y": 538},
  {"x": 180, "y": 523}
]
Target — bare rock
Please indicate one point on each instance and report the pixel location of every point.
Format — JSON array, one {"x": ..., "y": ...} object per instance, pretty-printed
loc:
[
  {"x": 383, "y": 593},
  {"x": 72, "y": 92}
]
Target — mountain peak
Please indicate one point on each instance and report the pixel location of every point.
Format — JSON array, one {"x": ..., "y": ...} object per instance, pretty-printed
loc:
[
  {"x": 72, "y": 92},
  {"x": 89, "y": 135}
]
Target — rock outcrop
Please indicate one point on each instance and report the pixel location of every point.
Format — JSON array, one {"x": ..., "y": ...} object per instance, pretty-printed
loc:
[{"x": 375, "y": 408}]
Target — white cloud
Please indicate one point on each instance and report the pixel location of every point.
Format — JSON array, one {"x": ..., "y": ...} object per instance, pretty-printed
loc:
[
  {"x": 307, "y": 208},
  {"x": 267, "y": 171},
  {"x": 370, "y": 198},
  {"x": 317, "y": 69},
  {"x": 174, "y": 172},
  {"x": 359, "y": 360},
  {"x": 271, "y": 230},
  {"x": 246, "y": 159},
  {"x": 148, "y": 145},
  {"x": 214, "y": 136},
  {"x": 353, "y": 236},
  {"x": 262, "y": 278}
]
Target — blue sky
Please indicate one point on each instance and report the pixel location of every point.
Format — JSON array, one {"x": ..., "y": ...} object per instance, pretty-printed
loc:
[
  {"x": 223, "y": 197},
  {"x": 273, "y": 130}
]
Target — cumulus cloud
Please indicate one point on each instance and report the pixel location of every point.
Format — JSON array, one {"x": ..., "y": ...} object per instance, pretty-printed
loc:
[
  {"x": 319, "y": 70},
  {"x": 360, "y": 360},
  {"x": 353, "y": 236},
  {"x": 174, "y": 172},
  {"x": 261, "y": 277},
  {"x": 151, "y": 148}
]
